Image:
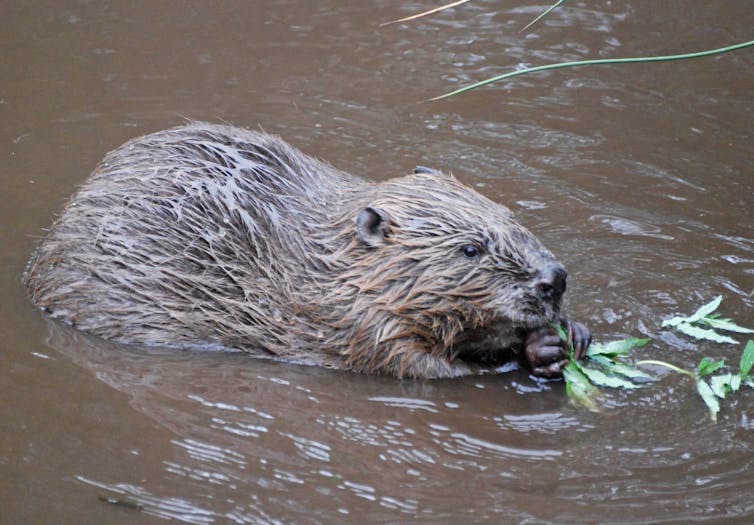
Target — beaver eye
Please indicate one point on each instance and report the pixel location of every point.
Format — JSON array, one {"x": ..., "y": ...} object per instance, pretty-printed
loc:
[{"x": 470, "y": 251}]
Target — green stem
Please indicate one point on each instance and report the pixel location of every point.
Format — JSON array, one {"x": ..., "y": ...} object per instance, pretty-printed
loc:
[
  {"x": 595, "y": 62},
  {"x": 553, "y": 6},
  {"x": 666, "y": 365}
]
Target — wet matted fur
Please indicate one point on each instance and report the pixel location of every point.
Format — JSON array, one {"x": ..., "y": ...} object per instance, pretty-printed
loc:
[{"x": 214, "y": 234}]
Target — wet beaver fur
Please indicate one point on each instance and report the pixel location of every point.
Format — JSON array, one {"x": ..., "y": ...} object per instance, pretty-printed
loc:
[{"x": 211, "y": 234}]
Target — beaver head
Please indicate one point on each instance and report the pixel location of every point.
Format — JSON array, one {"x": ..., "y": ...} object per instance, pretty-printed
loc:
[{"x": 445, "y": 267}]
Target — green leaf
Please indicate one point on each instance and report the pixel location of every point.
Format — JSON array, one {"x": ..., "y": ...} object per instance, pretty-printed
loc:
[
  {"x": 721, "y": 384},
  {"x": 629, "y": 371},
  {"x": 701, "y": 333},
  {"x": 674, "y": 321},
  {"x": 747, "y": 360},
  {"x": 709, "y": 398},
  {"x": 750, "y": 383},
  {"x": 615, "y": 367},
  {"x": 701, "y": 312},
  {"x": 602, "y": 360},
  {"x": 707, "y": 309},
  {"x": 735, "y": 383},
  {"x": 579, "y": 389},
  {"x": 600, "y": 378},
  {"x": 618, "y": 368},
  {"x": 612, "y": 348},
  {"x": 726, "y": 324},
  {"x": 707, "y": 366}
]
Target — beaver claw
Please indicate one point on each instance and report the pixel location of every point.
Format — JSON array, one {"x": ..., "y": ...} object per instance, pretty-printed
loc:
[{"x": 547, "y": 354}]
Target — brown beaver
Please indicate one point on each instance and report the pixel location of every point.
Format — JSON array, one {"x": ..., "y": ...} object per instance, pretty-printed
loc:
[{"x": 210, "y": 234}]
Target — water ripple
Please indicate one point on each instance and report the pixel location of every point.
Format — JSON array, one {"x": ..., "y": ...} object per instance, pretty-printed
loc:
[
  {"x": 465, "y": 444},
  {"x": 404, "y": 402},
  {"x": 208, "y": 452}
]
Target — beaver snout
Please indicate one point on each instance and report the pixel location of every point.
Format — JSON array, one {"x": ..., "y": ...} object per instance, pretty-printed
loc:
[{"x": 552, "y": 285}]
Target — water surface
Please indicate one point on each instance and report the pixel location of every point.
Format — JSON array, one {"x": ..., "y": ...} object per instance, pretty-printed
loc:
[{"x": 638, "y": 177}]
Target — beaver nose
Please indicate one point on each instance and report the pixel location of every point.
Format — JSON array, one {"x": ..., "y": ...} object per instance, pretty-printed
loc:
[{"x": 552, "y": 285}]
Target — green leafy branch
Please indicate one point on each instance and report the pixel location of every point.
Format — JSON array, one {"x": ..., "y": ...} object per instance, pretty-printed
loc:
[
  {"x": 701, "y": 324},
  {"x": 602, "y": 366},
  {"x": 719, "y": 385}
]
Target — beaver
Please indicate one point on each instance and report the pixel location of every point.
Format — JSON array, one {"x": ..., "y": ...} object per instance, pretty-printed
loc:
[{"x": 209, "y": 234}]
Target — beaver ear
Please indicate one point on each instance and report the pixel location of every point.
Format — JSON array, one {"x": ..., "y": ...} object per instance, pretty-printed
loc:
[
  {"x": 430, "y": 171},
  {"x": 372, "y": 225}
]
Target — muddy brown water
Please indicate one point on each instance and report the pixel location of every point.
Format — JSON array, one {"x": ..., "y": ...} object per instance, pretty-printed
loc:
[{"x": 638, "y": 177}]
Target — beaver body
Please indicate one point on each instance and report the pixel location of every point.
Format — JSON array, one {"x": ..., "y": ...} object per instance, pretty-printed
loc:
[{"x": 210, "y": 234}]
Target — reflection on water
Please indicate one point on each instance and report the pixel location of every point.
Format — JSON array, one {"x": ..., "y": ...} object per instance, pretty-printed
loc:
[
  {"x": 637, "y": 177},
  {"x": 250, "y": 435}
]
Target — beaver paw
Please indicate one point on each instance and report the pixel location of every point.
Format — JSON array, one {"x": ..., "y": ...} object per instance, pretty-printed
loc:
[{"x": 547, "y": 354}]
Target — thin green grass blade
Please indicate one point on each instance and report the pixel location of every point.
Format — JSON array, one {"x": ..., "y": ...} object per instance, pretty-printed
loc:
[
  {"x": 591, "y": 63},
  {"x": 425, "y": 13},
  {"x": 666, "y": 365},
  {"x": 541, "y": 16}
]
